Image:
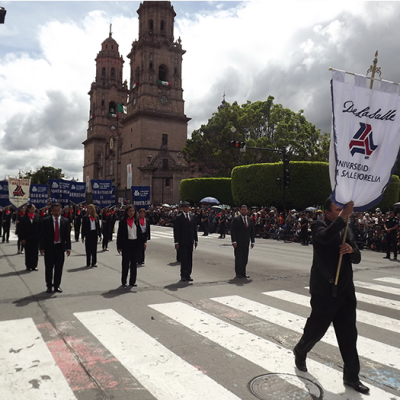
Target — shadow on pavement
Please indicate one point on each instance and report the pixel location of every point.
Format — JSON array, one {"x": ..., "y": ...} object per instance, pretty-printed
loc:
[
  {"x": 117, "y": 292},
  {"x": 176, "y": 286}
]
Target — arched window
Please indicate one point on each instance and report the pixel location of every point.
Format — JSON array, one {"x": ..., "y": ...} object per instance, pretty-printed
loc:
[
  {"x": 112, "y": 109},
  {"x": 103, "y": 71},
  {"x": 113, "y": 72},
  {"x": 150, "y": 24},
  {"x": 162, "y": 25},
  {"x": 163, "y": 73}
]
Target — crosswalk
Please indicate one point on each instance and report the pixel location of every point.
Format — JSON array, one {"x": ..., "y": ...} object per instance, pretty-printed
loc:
[
  {"x": 167, "y": 233},
  {"x": 33, "y": 366}
]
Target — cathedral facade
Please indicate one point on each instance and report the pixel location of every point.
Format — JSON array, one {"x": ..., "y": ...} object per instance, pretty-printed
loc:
[{"x": 137, "y": 130}]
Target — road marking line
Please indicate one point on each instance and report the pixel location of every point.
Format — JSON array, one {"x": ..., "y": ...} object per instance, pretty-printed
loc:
[
  {"x": 27, "y": 368},
  {"x": 371, "y": 349},
  {"x": 158, "y": 369},
  {"x": 268, "y": 355},
  {"x": 378, "y": 301},
  {"x": 378, "y": 288},
  {"x": 396, "y": 281},
  {"x": 365, "y": 317}
]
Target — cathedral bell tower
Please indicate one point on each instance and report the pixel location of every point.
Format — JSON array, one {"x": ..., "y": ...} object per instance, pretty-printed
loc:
[
  {"x": 155, "y": 128},
  {"x": 108, "y": 96}
]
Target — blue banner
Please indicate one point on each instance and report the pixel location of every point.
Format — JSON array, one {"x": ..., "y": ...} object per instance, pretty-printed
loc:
[
  {"x": 102, "y": 192},
  {"x": 39, "y": 195},
  {"x": 77, "y": 192},
  {"x": 59, "y": 191},
  {"x": 4, "y": 199},
  {"x": 141, "y": 197}
]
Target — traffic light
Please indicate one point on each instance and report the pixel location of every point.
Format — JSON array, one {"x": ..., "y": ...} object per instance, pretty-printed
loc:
[
  {"x": 286, "y": 177},
  {"x": 238, "y": 145},
  {"x": 285, "y": 158}
]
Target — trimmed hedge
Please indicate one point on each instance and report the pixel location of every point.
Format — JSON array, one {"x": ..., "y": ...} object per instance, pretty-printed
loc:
[
  {"x": 256, "y": 184},
  {"x": 390, "y": 195},
  {"x": 195, "y": 189}
]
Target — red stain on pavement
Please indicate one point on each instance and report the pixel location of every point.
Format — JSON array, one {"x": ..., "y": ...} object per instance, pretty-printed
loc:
[{"x": 91, "y": 360}]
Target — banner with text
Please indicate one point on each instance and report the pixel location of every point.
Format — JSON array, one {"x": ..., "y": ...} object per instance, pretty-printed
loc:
[
  {"x": 18, "y": 191},
  {"x": 4, "y": 200},
  {"x": 365, "y": 140},
  {"x": 59, "y": 191},
  {"x": 77, "y": 192},
  {"x": 102, "y": 192},
  {"x": 113, "y": 202},
  {"x": 39, "y": 195},
  {"x": 141, "y": 197}
]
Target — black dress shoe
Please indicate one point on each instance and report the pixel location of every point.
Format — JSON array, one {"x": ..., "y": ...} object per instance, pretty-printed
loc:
[
  {"x": 133, "y": 284},
  {"x": 124, "y": 285},
  {"x": 183, "y": 280},
  {"x": 35, "y": 269},
  {"x": 49, "y": 290},
  {"x": 246, "y": 276},
  {"x": 59, "y": 290},
  {"x": 299, "y": 361},
  {"x": 387, "y": 257},
  {"x": 189, "y": 279},
  {"x": 94, "y": 266},
  {"x": 357, "y": 386}
]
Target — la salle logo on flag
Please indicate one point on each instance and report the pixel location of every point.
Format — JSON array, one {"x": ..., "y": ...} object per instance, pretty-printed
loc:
[
  {"x": 18, "y": 191},
  {"x": 365, "y": 139},
  {"x": 363, "y": 142}
]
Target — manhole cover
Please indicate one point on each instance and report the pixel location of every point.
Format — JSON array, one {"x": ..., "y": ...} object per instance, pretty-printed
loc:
[{"x": 285, "y": 386}]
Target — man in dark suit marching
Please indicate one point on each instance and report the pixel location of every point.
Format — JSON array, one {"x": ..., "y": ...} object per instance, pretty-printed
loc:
[
  {"x": 55, "y": 240},
  {"x": 185, "y": 237},
  {"x": 30, "y": 226},
  {"x": 242, "y": 235}
]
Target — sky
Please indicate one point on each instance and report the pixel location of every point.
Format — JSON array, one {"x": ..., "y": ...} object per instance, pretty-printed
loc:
[{"x": 245, "y": 49}]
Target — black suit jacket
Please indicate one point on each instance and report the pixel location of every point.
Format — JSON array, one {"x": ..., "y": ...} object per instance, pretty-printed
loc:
[
  {"x": 185, "y": 233},
  {"x": 240, "y": 234},
  {"x": 30, "y": 231},
  {"x": 86, "y": 226},
  {"x": 327, "y": 237},
  {"x": 47, "y": 234},
  {"x": 122, "y": 234}
]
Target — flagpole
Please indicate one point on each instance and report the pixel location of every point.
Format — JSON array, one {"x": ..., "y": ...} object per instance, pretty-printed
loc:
[{"x": 334, "y": 288}]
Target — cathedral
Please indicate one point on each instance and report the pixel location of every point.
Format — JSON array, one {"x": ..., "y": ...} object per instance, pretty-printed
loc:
[{"x": 136, "y": 130}]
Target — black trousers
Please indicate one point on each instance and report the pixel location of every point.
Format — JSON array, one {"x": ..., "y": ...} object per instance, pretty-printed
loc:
[
  {"x": 77, "y": 229},
  {"x": 141, "y": 251},
  {"x": 205, "y": 228},
  {"x": 304, "y": 237},
  {"x": 241, "y": 258},
  {"x": 106, "y": 237},
  {"x": 129, "y": 262},
  {"x": 186, "y": 259},
  {"x": 391, "y": 241},
  {"x": 31, "y": 254},
  {"x": 54, "y": 262},
  {"x": 6, "y": 232},
  {"x": 341, "y": 311},
  {"x": 91, "y": 248},
  {"x": 222, "y": 229}
]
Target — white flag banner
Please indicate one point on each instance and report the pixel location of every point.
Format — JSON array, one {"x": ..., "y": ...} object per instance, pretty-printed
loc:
[
  {"x": 129, "y": 176},
  {"x": 18, "y": 191},
  {"x": 365, "y": 141}
]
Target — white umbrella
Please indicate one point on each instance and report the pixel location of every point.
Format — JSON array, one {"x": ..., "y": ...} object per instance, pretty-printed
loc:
[{"x": 210, "y": 200}]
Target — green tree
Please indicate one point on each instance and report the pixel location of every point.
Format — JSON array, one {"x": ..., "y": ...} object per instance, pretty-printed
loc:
[
  {"x": 260, "y": 124},
  {"x": 43, "y": 174}
]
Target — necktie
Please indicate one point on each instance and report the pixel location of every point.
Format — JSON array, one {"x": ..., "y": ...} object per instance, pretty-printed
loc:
[
  {"x": 245, "y": 222},
  {"x": 56, "y": 232}
]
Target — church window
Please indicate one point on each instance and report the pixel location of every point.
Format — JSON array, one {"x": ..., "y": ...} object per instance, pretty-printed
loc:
[
  {"x": 167, "y": 182},
  {"x": 150, "y": 24},
  {"x": 162, "y": 25},
  {"x": 103, "y": 71},
  {"x": 112, "y": 47},
  {"x": 102, "y": 103},
  {"x": 151, "y": 65},
  {"x": 165, "y": 163},
  {"x": 176, "y": 71},
  {"x": 164, "y": 139},
  {"x": 163, "y": 73},
  {"x": 112, "y": 108},
  {"x": 112, "y": 71}
]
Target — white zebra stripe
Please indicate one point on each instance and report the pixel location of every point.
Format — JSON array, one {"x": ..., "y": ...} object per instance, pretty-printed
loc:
[
  {"x": 260, "y": 351},
  {"x": 378, "y": 301},
  {"x": 378, "y": 288},
  {"x": 376, "y": 351},
  {"x": 396, "y": 281},
  {"x": 165, "y": 375},
  {"x": 27, "y": 368}
]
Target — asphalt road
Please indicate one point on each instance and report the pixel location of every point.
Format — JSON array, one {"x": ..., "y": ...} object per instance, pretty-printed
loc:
[{"x": 169, "y": 340}]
